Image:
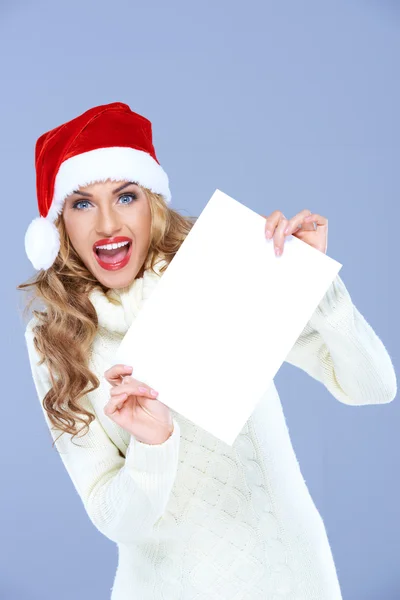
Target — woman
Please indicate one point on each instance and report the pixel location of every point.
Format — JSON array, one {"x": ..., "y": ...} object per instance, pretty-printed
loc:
[{"x": 192, "y": 516}]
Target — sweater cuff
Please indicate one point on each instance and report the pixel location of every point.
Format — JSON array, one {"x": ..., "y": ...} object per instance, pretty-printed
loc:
[
  {"x": 154, "y": 458},
  {"x": 335, "y": 309}
]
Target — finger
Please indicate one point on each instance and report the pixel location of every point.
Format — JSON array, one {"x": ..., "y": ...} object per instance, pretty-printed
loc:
[
  {"x": 296, "y": 221},
  {"x": 279, "y": 236},
  {"x": 115, "y": 403},
  {"x": 114, "y": 373},
  {"x": 117, "y": 370},
  {"x": 318, "y": 219},
  {"x": 135, "y": 388},
  {"x": 271, "y": 222}
]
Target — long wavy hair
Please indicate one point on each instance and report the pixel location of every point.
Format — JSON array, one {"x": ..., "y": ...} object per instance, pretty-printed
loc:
[{"x": 65, "y": 331}]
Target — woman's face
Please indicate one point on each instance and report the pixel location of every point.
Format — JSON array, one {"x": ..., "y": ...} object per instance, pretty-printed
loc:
[{"x": 109, "y": 212}]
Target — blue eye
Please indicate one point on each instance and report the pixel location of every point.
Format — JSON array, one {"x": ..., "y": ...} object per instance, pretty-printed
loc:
[
  {"x": 132, "y": 196},
  {"x": 80, "y": 202}
]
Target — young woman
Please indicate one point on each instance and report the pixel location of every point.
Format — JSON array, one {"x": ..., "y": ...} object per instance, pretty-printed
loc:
[{"x": 192, "y": 516}]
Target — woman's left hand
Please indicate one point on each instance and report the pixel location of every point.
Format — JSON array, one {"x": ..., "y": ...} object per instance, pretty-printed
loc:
[{"x": 300, "y": 226}]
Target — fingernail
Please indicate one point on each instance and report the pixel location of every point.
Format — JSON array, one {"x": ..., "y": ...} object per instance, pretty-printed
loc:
[
  {"x": 267, "y": 233},
  {"x": 153, "y": 392},
  {"x": 142, "y": 389},
  {"x": 277, "y": 251},
  {"x": 287, "y": 230},
  {"x": 128, "y": 367}
]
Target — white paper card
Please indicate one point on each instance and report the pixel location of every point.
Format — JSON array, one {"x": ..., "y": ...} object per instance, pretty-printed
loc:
[{"x": 224, "y": 316}]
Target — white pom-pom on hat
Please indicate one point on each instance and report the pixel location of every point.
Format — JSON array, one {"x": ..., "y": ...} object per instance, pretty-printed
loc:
[{"x": 42, "y": 243}]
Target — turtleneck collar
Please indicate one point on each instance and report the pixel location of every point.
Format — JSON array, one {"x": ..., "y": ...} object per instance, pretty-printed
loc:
[{"x": 119, "y": 317}]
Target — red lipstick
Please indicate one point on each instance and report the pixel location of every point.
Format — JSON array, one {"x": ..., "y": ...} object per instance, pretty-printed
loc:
[
  {"x": 114, "y": 240},
  {"x": 116, "y": 265}
]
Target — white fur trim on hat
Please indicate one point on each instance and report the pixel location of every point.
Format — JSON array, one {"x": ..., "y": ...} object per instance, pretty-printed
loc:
[{"x": 115, "y": 163}]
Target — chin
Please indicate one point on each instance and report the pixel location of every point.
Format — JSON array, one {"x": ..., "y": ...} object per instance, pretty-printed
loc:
[{"x": 116, "y": 279}]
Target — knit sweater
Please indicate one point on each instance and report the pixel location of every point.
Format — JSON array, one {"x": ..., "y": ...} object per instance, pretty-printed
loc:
[{"x": 195, "y": 518}]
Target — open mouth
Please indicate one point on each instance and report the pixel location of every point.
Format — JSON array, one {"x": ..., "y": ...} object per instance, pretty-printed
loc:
[{"x": 114, "y": 258}]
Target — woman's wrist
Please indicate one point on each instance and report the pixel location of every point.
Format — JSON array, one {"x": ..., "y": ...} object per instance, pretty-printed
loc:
[{"x": 156, "y": 441}]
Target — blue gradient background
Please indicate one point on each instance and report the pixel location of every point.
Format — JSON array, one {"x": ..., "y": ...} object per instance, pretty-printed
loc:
[{"x": 282, "y": 105}]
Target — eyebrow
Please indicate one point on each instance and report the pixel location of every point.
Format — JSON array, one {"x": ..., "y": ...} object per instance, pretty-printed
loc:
[{"x": 114, "y": 191}]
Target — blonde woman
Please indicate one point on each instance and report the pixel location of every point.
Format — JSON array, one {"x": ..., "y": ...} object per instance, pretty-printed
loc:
[{"x": 192, "y": 516}]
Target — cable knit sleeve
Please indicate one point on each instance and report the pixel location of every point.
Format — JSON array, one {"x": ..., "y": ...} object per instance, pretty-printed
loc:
[
  {"x": 340, "y": 349},
  {"x": 123, "y": 497}
]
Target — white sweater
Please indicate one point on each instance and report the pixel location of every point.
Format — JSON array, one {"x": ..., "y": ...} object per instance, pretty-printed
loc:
[{"x": 194, "y": 518}]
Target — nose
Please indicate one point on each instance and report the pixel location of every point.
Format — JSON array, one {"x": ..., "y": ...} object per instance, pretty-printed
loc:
[{"x": 108, "y": 223}]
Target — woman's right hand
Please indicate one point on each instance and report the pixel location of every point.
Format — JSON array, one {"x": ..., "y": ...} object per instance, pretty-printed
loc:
[{"x": 127, "y": 397}]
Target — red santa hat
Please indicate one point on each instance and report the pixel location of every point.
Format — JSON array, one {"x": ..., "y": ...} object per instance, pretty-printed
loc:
[{"x": 105, "y": 142}]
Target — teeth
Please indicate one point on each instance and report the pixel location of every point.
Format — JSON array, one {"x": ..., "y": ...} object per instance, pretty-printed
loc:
[{"x": 112, "y": 246}]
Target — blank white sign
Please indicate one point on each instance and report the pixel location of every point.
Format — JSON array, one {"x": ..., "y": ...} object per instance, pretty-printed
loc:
[{"x": 224, "y": 316}]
